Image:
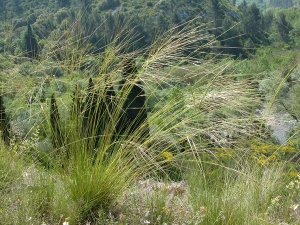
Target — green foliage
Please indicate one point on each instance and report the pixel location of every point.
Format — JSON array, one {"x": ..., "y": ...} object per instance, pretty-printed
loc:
[
  {"x": 237, "y": 204},
  {"x": 203, "y": 123},
  {"x": 231, "y": 26},
  {"x": 284, "y": 206},
  {"x": 8, "y": 170},
  {"x": 37, "y": 194},
  {"x": 265, "y": 4},
  {"x": 285, "y": 3}
]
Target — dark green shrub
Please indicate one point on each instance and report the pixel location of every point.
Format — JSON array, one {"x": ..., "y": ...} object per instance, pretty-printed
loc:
[{"x": 150, "y": 4}]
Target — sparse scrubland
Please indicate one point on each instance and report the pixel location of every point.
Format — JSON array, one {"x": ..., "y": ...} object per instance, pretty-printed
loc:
[{"x": 171, "y": 133}]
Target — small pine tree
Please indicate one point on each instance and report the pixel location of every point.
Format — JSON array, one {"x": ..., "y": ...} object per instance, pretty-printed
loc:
[
  {"x": 4, "y": 123},
  {"x": 31, "y": 44}
]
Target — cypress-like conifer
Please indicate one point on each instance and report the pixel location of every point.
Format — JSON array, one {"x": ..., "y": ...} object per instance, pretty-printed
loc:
[
  {"x": 134, "y": 112},
  {"x": 76, "y": 106},
  {"x": 57, "y": 138},
  {"x": 4, "y": 123},
  {"x": 105, "y": 110},
  {"x": 88, "y": 122},
  {"x": 31, "y": 44},
  {"x": 97, "y": 113}
]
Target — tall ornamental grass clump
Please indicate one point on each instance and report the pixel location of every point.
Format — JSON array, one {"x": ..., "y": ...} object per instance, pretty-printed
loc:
[
  {"x": 95, "y": 141},
  {"x": 202, "y": 104},
  {"x": 100, "y": 148}
]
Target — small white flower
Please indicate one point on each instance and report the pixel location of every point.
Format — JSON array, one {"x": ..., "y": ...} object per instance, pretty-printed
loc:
[
  {"x": 66, "y": 221},
  {"x": 294, "y": 207},
  {"x": 147, "y": 213}
]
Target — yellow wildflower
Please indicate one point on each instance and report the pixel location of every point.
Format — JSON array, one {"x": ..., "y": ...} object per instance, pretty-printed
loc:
[{"x": 167, "y": 155}]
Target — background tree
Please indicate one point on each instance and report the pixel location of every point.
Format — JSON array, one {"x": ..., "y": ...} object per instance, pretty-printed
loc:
[
  {"x": 250, "y": 20},
  {"x": 267, "y": 21},
  {"x": 31, "y": 44},
  {"x": 243, "y": 5},
  {"x": 281, "y": 3},
  {"x": 217, "y": 15},
  {"x": 283, "y": 27},
  {"x": 230, "y": 38},
  {"x": 162, "y": 22}
]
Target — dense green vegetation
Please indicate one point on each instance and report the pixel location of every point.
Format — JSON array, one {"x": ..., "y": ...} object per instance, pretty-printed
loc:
[
  {"x": 149, "y": 112},
  {"x": 238, "y": 29},
  {"x": 265, "y": 4}
]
